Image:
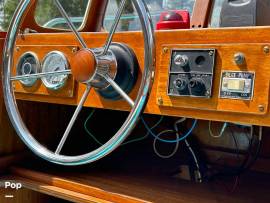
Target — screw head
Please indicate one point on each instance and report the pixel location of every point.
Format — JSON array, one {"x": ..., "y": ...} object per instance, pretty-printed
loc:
[
  {"x": 261, "y": 108},
  {"x": 266, "y": 49},
  {"x": 165, "y": 50},
  {"x": 160, "y": 101},
  {"x": 17, "y": 48},
  {"x": 74, "y": 49},
  {"x": 211, "y": 53}
]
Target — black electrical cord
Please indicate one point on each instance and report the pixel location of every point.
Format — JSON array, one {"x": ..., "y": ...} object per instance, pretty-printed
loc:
[
  {"x": 248, "y": 156},
  {"x": 247, "y": 163},
  {"x": 236, "y": 145},
  {"x": 196, "y": 163}
]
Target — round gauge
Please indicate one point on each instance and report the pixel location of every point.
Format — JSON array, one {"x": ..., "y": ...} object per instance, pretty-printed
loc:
[
  {"x": 54, "y": 61},
  {"x": 28, "y": 64}
]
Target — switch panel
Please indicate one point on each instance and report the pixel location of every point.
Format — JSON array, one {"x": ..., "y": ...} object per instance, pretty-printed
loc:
[
  {"x": 237, "y": 85},
  {"x": 191, "y": 72}
]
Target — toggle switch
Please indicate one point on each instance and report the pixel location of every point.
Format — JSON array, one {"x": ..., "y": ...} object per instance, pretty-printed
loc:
[
  {"x": 236, "y": 84},
  {"x": 181, "y": 60}
]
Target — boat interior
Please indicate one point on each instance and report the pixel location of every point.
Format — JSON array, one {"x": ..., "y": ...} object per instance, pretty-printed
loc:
[{"x": 135, "y": 101}]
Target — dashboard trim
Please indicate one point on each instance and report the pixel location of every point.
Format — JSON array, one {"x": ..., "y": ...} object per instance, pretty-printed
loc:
[{"x": 202, "y": 37}]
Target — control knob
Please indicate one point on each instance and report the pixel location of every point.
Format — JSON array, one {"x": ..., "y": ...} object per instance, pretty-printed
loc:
[
  {"x": 181, "y": 60},
  {"x": 181, "y": 85},
  {"x": 197, "y": 87}
]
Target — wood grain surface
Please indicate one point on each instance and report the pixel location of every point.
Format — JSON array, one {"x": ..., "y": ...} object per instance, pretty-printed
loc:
[
  {"x": 230, "y": 40},
  {"x": 255, "y": 57},
  {"x": 135, "y": 187},
  {"x": 201, "y": 13}
]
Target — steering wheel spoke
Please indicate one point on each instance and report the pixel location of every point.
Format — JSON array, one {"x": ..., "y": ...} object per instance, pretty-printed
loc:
[
  {"x": 70, "y": 24},
  {"x": 117, "y": 88},
  {"x": 114, "y": 26},
  {"x": 73, "y": 119}
]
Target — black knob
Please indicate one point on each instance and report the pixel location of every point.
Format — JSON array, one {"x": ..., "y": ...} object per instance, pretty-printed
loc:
[
  {"x": 181, "y": 85},
  {"x": 197, "y": 87}
]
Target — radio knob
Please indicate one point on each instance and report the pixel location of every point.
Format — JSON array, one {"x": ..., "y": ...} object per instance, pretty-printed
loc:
[
  {"x": 181, "y": 60},
  {"x": 197, "y": 87}
]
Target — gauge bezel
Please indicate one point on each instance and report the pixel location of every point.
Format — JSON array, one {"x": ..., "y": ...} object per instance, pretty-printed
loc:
[
  {"x": 67, "y": 66},
  {"x": 19, "y": 65}
]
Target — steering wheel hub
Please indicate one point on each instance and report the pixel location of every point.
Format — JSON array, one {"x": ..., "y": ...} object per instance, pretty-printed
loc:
[{"x": 83, "y": 65}]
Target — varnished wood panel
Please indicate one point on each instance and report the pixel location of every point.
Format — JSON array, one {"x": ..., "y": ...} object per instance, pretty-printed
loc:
[
  {"x": 224, "y": 61},
  {"x": 149, "y": 188},
  {"x": 70, "y": 189},
  {"x": 204, "y": 37},
  {"x": 95, "y": 40},
  {"x": 53, "y": 191}
]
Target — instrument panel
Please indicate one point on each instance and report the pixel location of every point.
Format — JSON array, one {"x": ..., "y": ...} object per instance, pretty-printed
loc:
[
  {"x": 29, "y": 64},
  {"x": 191, "y": 72},
  {"x": 49, "y": 59}
]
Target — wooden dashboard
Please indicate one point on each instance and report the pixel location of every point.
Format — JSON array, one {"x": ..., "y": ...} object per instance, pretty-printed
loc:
[{"x": 253, "y": 42}]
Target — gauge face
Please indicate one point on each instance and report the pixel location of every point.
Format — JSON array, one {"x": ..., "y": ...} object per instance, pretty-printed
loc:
[
  {"x": 28, "y": 64},
  {"x": 54, "y": 61}
]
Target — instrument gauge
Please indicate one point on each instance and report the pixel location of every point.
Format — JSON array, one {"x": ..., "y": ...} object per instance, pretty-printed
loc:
[
  {"x": 28, "y": 64},
  {"x": 54, "y": 61}
]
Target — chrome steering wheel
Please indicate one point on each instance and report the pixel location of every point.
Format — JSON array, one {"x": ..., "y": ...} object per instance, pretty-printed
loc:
[{"x": 96, "y": 75}]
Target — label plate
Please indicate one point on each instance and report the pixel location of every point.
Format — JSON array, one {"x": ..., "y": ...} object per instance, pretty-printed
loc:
[{"x": 237, "y": 85}]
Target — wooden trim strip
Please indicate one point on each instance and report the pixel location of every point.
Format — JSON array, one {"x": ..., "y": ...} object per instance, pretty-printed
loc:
[
  {"x": 93, "y": 18},
  {"x": 201, "y": 14},
  {"x": 56, "y": 191},
  {"x": 73, "y": 186}
]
